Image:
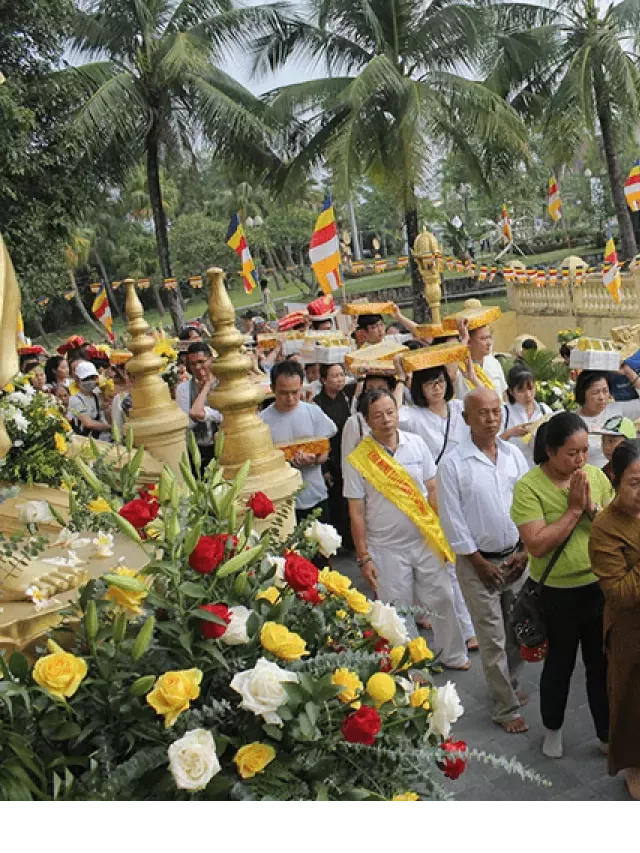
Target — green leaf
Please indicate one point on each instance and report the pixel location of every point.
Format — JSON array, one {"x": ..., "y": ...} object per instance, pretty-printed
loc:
[
  {"x": 307, "y": 728},
  {"x": 295, "y": 695},
  {"x": 124, "y": 582},
  {"x": 66, "y": 731},
  {"x": 207, "y": 616},
  {"x": 19, "y": 665},
  {"x": 306, "y": 682},
  {"x": 192, "y": 590},
  {"x": 313, "y": 712},
  {"x": 274, "y": 732}
]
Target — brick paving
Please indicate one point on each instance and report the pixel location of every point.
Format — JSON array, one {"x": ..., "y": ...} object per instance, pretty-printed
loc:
[{"x": 580, "y": 775}]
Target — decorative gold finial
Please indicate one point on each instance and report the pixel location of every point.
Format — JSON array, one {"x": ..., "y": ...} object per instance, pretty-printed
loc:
[
  {"x": 158, "y": 424},
  {"x": 246, "y": 435},
  {"x": 427, "y": 255}
]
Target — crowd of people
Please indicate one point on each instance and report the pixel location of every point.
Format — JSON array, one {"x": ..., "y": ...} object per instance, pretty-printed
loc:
[{"x": 451, "y": 486}]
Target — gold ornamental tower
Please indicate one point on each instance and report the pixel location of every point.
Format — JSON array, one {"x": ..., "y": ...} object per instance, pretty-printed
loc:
[{"x": 246, "y": 435}]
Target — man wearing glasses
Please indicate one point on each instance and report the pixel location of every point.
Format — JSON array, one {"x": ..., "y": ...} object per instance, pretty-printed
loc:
[{"x": 192, "y": 396}]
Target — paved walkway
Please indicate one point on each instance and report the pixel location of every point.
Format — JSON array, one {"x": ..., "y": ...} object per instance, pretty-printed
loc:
[{"x": 580, "y": 775}]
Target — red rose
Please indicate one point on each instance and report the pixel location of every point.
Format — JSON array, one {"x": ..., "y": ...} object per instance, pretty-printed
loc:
[
  {"x": 299, "y": 573},
  {"x": 261, "y": 505},
  {"x": 140, "y": 512},
  {"x": 311, "y": 595},
  {"x": 211, "y": 630},
  {"x": 453, "y": 767},
  {"x": 361, "y": 726},
  {"x": 209, "y": 552},
  {"x": 368, "y": 633}
]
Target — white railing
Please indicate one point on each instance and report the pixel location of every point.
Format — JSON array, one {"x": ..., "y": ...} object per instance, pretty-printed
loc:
[{"x": 588, "y": 299}]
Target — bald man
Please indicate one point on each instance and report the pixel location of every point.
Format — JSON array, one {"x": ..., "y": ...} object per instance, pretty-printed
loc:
[{"x": 474, "y": 486}]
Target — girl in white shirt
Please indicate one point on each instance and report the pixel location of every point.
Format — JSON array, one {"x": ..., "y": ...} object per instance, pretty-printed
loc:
[{"x": 521, "y": 409}]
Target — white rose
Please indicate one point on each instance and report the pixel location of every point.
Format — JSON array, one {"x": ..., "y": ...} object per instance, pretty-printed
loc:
[
  {"x": 446, "y": 709},
  {"x": 236, "y": 633},
  {"x": 193, "y": 761},
  {"x": 33, "y": 512},
  {"x": 261, "y": 689},
  {"x": 328, "y": 539},
  {"x": 384, "y": 619},
  {"x": 278, "y": 564}
]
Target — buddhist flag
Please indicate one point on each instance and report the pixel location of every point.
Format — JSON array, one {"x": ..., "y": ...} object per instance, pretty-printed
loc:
[
  {"x": 324, "y": 251},
  {"x": 238, "y": 242},
  {"x": 632, "y": 187},
  {"x": 611, "y": 270},
  {"x": 102, "y": 311},
  {"x": 553, "y": 200},
  {"x": 506, "y": 225},
  {"x": 21, "y": 340}
]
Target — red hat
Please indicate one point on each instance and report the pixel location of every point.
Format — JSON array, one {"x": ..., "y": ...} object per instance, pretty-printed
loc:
[
  {"x": 74, "y": 342},
  {"x": 290, "y": 321},
  {"x": 94, "y": 352},
  {"x": 36, "y": 349},
  {"x": 323, "y": 307}
]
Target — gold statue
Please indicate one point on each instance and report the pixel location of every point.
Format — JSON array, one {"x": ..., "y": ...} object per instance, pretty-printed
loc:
[
  {"x": 429, "y": 259},
  {"x": 9, "y": 311},
  {"x": 246, "y": 435}
]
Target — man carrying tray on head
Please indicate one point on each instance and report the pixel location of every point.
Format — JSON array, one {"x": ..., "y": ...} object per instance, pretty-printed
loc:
[
  {"x": 476, "y": 318},
  {"x": 289, "y": 420},
  {"x": 400, "y": 546}
]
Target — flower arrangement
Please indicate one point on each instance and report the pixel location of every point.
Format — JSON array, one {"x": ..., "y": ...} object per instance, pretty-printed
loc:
[
  {"x": 39, "y": 432},
  {"x": 557, "y": 395},
  {"x": 566, "y": 335},
  {"x": 230, "y": 667}
]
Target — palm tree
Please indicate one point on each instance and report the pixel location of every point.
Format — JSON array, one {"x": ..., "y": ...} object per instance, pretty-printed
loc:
[
  {"x": 152, "y": 82},
  {"x": 584, "y": 59},
  {"x": 395, "y": 96}
]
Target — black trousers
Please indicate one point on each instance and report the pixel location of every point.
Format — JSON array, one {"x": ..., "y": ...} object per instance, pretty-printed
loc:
[
  {"x": 301, "y": 514},
  {"x": 574, "y": 618}
]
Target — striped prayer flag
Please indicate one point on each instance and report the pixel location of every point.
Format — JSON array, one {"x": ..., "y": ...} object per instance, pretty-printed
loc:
[
  {"x": 611, "y": 270},
  {"x": 541, "y": 278},
  {"x": 506, "y": 225},
  {"x": 632, "y": 187},
  {"x": 492, "y": 273},
  {"x": 21, "y": 340},
  {"x": 144, "y": 283},
  {"x": 102, "y": 311},
  {"x": 553, "y": 200},
  {"x": 565, "y": 275},
  {"x": 324, "y": 251},
  {"x": 553, "y": 276},
  {"x": 238, "y": 242},
  {"x": 483, "y": 273}
]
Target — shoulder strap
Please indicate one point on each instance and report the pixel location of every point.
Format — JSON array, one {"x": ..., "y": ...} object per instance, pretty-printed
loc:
[
  {"x": 446, "y": 434},
  {"x": 554, "y": 559},
  {"x": 507, "y": 413}
]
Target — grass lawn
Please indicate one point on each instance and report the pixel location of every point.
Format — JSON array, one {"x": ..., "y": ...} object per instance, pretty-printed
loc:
[{"x": 292, "y": 293}]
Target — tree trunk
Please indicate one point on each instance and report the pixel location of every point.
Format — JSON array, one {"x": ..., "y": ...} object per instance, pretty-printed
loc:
[
  {"x": 41, "y": 331},
  {"x": 616, "y": 183},
  {"x": 355, "y": 236},
  {"x": 105, "y": 278},
  {"x": 159, "y": 303},
  {"x": 100, "y": 329},
  {"x": 420, "y": 307},
  {"x": 160, "y": 226},
  {"x": 273, "y": 264}
]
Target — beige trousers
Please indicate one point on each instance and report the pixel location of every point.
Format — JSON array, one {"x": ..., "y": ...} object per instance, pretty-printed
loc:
[{"x": 499, "y": 651}]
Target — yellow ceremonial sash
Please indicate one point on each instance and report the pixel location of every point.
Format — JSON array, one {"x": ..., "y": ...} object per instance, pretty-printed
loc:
[
  {"x": 483, "y": 379},
  {"x": 393, "y": 482}
]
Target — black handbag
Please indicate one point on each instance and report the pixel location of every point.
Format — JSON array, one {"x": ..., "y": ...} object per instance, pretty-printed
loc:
[{"x": 527, "y": 613}]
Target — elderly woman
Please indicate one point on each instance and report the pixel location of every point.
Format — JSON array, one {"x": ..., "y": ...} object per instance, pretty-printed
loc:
[
  {"x": 554, "y": 505},
  {"x": 593, "y": 395},
  {"x": 614, "y": 547},
  {"x": 401, "y": 549}
]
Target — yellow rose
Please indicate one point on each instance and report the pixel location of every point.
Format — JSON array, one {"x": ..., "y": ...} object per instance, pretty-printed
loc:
[
  {"x": 397, "y": 653},
  {"x": 408, "y": 797},
  {"x": 98, "y": 505},
  {"x": 59, "y": 672},
  {"x": 282, "y": 642},
  {"x": 381, "y": 687},
  {"x": 173, "y": 692},
  {"x": 66, "y": 426},
  {"x": 349, "y": 680},
  {"x": 420, "y": 698},
  {"x": 341, "y": 614},
  {"x": 271, "y": 594},
  {"x": 9, "y": 388},
  {"x": 253, "y": 758},
  {"x": 419, "y": 650},
  {"x": 358, "y": 602},
  {"x": 60, "y": 442},
  {"x": 334, "y": 582},
  {"x": 130, "y": 600}
]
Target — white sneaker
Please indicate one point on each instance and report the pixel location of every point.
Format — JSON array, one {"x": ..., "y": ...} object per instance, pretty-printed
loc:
[{"x": 552, "y": 745}]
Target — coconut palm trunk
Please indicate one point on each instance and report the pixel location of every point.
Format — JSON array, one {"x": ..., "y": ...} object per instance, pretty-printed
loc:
[
  {"x": 605, "y": 118},
  {"x": 100, "y": 329},
  {"x": 420, "y": 307},
  {"x": 160, "y": 225}
]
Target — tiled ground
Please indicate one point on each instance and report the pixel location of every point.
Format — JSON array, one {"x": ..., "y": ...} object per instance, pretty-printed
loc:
[{"x": 580, "y": 775}]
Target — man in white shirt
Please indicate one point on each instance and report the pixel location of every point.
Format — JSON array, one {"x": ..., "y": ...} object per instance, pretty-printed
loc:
[
  {"x": 85, "y": 407},
  {"x": 192, "y": 396},
  {"x": 393, "y": 554},
  {"x": 475, "y": 485},
  {"x": 289, "y": 419},
  {"x": 480, "y": 342}
]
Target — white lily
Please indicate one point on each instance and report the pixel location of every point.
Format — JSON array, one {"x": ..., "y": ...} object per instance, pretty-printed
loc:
[
  {"x": 70, "y": 540},
  {"x": 103, "y": 544}
]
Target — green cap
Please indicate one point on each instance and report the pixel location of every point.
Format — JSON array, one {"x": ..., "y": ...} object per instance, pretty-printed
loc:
[{"x": 617, "y": 425}]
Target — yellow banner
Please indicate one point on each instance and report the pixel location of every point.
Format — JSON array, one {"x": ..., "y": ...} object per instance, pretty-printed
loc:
[{"x": 393, "y": 482}]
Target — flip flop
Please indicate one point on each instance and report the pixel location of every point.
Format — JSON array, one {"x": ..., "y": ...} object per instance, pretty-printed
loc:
[{"x": 463, "y": 668}]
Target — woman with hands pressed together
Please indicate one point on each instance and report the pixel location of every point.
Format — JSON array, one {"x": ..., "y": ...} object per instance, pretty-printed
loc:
[{"x": 553, "y": 506}]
